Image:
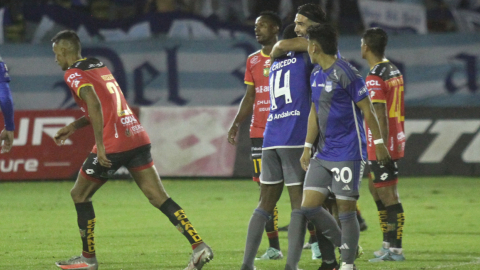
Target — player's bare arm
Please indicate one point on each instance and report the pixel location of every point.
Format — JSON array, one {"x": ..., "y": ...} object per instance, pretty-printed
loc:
[
  {"x": 312, "y": 133},
  {"x": 298, "y": 44},
  {"x": 6, "y": 137},
  {"x": 383, "y": 157},
  {"x": 87, "y": 93},
  {"x": 65, "y": 132},
  {"x": 381, "y": 112},
  {"x": 244, "y": 110}
]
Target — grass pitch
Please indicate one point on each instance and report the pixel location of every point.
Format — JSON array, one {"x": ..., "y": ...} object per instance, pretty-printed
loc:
[{"x": 38, "y": 225}]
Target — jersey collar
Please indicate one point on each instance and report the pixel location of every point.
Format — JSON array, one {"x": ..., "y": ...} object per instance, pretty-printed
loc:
[
  {"x": 264, "y": 55},
  {"x": 384, "y": 61}
]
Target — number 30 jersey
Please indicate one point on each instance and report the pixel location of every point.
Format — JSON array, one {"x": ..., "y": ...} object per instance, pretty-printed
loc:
[
  {"x": 121, "y": 129},
  {"x": 385, "y": 85},
  {"x": 289, "y": 102}
]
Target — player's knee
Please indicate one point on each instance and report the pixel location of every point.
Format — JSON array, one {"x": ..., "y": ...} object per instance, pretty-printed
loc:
[
  {"x": 345, "y": 206},
  {"x": 388, "y": 198},
  {"x": 78, "y": 197}
]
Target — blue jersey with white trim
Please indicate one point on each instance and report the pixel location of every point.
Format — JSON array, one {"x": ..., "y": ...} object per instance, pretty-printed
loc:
[
  {"x": 334, "y": 93},
  {"x": 289, "y": 101}
]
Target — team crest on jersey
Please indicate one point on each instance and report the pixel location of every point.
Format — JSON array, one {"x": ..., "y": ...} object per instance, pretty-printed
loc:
[
  {"x": 266, "y": 71},
  {"x": 328, "y": 86}
]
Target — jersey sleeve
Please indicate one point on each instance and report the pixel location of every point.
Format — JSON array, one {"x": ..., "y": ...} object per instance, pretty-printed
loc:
[
  {"x": 376, "y": 87},
  {"x": 76, "y": 79},
  {"x": 357, "y": 89},
  {"x": 248, "y": 74}
]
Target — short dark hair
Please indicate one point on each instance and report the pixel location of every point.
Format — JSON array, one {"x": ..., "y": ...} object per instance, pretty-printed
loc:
[
  {"x": 68, "y": 35},
  {"x": 376, "y": 39},
  {"x": 325, "y": 35},
  {"x": 289, "y": 32},
  {"x": 313, "y": 12},
  {"x": 273, "y": 17}
]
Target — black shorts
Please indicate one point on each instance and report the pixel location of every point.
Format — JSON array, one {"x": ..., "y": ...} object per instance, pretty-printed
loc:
[
  {"x": 383, "y": 176},
  {"x": 134, "y": 160},
  {"x": 256, "y": 152}
]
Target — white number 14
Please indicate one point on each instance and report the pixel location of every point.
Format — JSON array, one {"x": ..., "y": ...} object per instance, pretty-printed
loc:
[{"x": 277, "y": 91}]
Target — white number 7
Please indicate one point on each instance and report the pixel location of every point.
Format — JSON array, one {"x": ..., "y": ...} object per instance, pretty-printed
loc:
[{"x": 277, "y": 91}]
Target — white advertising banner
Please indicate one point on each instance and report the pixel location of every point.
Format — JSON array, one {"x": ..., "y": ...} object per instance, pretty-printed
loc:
[
  {"x": 190, "y": 141},
  {"x": 396, "y": 17}
]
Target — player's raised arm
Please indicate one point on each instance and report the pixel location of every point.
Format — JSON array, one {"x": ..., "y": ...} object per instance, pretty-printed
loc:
[
  {"x": 244, "y": 110},
  {"x": 87, "y": 93},
  {"x": 383, "y": 157},
  {"x": 312, "y": 133},
  {"x": 298, "y": 44}
]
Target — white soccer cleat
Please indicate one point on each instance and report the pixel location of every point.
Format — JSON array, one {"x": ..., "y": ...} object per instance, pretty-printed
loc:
[{"x": 201, "y": 255}]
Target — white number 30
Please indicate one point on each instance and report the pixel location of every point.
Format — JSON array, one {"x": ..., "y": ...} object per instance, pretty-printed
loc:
[{"x": 345, "y": 174}]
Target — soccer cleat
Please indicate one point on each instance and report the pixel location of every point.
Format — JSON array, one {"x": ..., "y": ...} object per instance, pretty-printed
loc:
[
  {"x": 389, "y": 256},
  {"x": 316, "y": 254},
  {"x": 348, "y": 267},
  {"x": 79, "y": 263},
  {"x": 329, "y": 266},
  {"x": 307, "y": 246},
  {"x": 271, "y": 254},
  {"x": 381, "y": 252},
  {"x": 358, "y": 254},
  {"x": 200, "y": 256}
]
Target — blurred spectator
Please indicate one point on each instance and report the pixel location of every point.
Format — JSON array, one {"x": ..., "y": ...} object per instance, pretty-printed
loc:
[{"x": 439, "y": 17}]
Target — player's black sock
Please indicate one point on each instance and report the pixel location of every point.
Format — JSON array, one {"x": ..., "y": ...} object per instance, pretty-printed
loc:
[
  {"x": 313, "y": 233},
  {"x": 326, "y": 248},
  {"x": 382, "y": 215},
  {"x": 396, "y": 220},
  {"x": 179, "y": 219},
  {"x": 86, "y": 223},
  {"x": 272, "y": 230}
]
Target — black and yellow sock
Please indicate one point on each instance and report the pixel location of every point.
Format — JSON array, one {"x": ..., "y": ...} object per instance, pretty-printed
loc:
[
  {"x": 271, "y": 228},
  {"x": 396, "y": 220},
  {"x": 382, "y": 215},
  {"x": 86, "y": 223},
  {"x": 179, "y": 219}
]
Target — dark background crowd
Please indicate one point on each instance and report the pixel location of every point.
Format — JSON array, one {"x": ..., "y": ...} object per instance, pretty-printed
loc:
[{"x": 343, "y": 13}]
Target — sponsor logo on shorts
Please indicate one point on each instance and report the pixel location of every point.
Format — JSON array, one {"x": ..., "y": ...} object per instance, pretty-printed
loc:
[
  {"x": 95, "y": 161},
  {"x": 346, "y": 188},
  {"x": 384, "y": 176},
  {"x": 90, "y": 171}
]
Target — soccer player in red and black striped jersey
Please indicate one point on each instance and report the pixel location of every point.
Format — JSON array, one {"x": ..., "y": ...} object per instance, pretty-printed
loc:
[
  {"x": 385, "y": 85},
  {"x": 257, "y": 101},
  {"x": 120, "y": 141}
]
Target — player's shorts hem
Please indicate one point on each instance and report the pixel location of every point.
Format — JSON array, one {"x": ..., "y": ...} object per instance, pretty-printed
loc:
[
  {"x": 256, "y": 179},
  {"x": 282, "y": 146},
  {"x": 386, "y": 184},
  {"x": 294, "y": 184},
  {"x": 346, "y": 198},
  {"x": 324, "y": 191},
  {"x": 143, "y": 167},
  {"x": 271, "y": 182},
  {"x": 93, "y": 179}
]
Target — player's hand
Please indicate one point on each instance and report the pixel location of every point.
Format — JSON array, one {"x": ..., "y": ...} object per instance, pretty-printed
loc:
[
  {"x": 7, "y": 140},
  {"x": 383, "y": 157},
  {"x": 232, "y": 133},
  {"x": 63, "y": 134},
  {"x": 102, "y": 158},
  {"x": 305, "y": 159}
]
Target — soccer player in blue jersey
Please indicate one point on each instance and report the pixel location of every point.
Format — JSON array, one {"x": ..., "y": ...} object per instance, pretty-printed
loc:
[
  {"x": 6, "y": 104},
  {"x": 284, "y": 137},
  {"x": 339, "y": 97}
]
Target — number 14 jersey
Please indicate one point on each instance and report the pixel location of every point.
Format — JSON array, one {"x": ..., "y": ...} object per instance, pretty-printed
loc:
[
  {"x": 289, "y": 102},
  {"x": 121, "y": 129}
]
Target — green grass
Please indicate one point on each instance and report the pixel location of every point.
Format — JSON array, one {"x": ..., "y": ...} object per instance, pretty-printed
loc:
[{"x": 38, "y": 225}]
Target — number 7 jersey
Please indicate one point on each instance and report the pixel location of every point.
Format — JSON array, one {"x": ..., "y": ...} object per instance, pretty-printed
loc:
[
  {"x": 121, "y": 129},
  {"x": 385, "y": 85}
]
